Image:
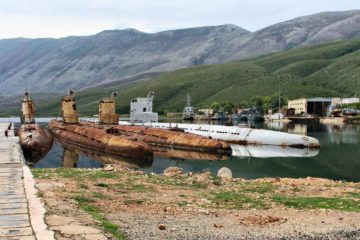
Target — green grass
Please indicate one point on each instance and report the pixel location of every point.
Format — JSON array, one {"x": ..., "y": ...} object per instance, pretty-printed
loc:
[
  {"x": 257, "y": 187},
  {"x": 236, "y": 200},
  {"x": 354, "y": 194},
  {"x": 104, "y": 185},
  {"x": 100, "y": 195},
  {"x": 325, "y": 70},
  {"x": 177, "y": 182},
  {"x": 182, "y": 203},
  {"x": 108, "y": 226},
  {"x": 78, "y": 174},
  {"x": 319, "y": 202}
]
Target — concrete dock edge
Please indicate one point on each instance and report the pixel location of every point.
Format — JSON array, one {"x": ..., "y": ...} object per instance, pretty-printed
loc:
[{"x": 36, "y": 208}]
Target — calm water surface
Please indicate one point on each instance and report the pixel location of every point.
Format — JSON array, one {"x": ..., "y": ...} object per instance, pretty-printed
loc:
[{"x": 338, "y": 158}]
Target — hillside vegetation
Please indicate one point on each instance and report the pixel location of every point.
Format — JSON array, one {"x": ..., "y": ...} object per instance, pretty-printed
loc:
[
  {"x": 328, "y": 70},
  {"x": 124, "y": 56}
]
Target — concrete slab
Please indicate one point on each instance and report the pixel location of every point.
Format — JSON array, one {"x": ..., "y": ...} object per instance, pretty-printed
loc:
[
  {"x": 13, "y": 200},
  {"x": 22, "y": 238},
  {"x": 17, "y": 196},
  {"x": 13, "y": 205},
  {"x": 14, "y": 217},
  {"x": 13, "y": 211},
  {"x": 19, "y": 223},
  {"x": 16, "y": 232}
]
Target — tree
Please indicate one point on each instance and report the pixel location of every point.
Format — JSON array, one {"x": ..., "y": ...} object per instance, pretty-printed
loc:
[{"x": 215, "y": 106}]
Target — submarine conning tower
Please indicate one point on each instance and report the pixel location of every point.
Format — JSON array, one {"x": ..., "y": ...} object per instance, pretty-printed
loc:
[
  {"x": 68, "y": 109},
  {"x": 27, "y": 110},
  {"x": 107, "y": 110},
  {"x": 141, "y": 109}
]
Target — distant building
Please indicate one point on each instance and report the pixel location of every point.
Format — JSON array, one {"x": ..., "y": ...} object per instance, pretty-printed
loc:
[
  {"x": 344, "y": 101},
  {"x": 315, "y": 106},
  {"x": 299, "y": 105},
  {"x": 350, "y": 100},
  {"x": 206, "y": 111}
]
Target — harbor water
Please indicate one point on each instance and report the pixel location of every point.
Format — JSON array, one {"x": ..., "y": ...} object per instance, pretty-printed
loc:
[{"x": 338, "y": 157}]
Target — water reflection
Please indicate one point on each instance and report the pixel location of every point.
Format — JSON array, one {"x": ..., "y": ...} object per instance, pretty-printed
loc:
[
  {"x": 338, "y": 157},
  {"x": 72, "y": 154},
  {"x": 187, "y": 155},
  {"x": 267, "y": 151}
]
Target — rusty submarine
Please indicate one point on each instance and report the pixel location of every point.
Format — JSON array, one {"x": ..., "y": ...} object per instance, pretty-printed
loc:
[{"x": 34, "y": 140}]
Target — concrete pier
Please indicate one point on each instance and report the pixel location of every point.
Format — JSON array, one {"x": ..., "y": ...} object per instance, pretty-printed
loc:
[{"x": 17, "y": 199}]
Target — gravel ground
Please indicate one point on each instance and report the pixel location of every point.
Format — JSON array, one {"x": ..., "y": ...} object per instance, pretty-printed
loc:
[
  {"x": 141, "y": 213},
  {"x": 140, "y": 226}
]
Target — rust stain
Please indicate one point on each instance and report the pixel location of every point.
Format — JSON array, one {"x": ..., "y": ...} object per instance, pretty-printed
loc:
[
  {"x": 175, "y": 139},
  {"x": 89, "y": 136}
]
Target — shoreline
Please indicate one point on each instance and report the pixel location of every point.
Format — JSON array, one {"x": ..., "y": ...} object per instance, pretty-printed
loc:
[{"x": 130, "y": 204}]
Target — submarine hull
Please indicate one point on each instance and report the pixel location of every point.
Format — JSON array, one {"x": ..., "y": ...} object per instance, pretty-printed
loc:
[
  {"x": 86, "y": 135},
  {"x": 35, "y": 141},
  {"x": 173, "y": 138}
]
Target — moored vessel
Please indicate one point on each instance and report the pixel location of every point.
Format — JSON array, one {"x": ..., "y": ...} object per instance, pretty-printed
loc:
[
  {"x": 172, "y": 138},
  {"x": 87, "y": 135},
  {"x": 188, "y": 112},
  {"x": 35, "y": 141},
  {"x": 236, "y": 134}
]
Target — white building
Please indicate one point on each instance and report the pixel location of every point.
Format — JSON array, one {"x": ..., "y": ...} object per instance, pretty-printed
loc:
[
  {"x": 350, "y": 100},
  {"x": 344, "y": 101},
  {"x": 141, "y": 109}
]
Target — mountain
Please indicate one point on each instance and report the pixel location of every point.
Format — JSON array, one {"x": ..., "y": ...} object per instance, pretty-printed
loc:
[
  {"x": 328, "y": 70},
  {"x": 123, "y": 56}
]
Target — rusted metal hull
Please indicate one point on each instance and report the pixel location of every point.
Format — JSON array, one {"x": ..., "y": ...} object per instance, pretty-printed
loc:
[
  {"x": 89, "y": 136},
  {"x": 240, "y": 135},
  {"x": 35, "y": 141},
  {"x": 70, "y": 160},
  {"x": 187, "y": 155},
  {"x": 173, "y": 139}
]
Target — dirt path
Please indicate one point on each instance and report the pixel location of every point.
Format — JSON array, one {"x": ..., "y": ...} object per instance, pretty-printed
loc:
[{"x": 120, "y": 204}]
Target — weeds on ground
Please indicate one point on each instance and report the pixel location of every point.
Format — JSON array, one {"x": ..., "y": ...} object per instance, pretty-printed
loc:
[
  {"x": 318, "y": 202},
  {"x": 108, "y": 226},
  {"x": 235, "y": 200}
]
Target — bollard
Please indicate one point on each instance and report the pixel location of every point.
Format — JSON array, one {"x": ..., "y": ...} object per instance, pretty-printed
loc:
[{"x": 6, "y": 133}]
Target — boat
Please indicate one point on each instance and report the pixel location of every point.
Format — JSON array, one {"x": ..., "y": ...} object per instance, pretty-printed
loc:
[
  {"x": 85, "y": 134},
  {"x": 276, "y": 117},
  {"x": 188, "y": 112},
  {"x": 237, "y": 134},
  {"x": 253, "y": 115},
  {"x": 34, "y": 140}
]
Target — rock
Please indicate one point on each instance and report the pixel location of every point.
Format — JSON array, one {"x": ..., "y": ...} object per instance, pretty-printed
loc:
[
  {"x": 204, "y": 201},
  {"x": 108, "y": 168},
  {"x": 224, "y": 172},
  {"x": 75, "y": 229},
  {"x": 218, "y": 225},
  {"x": 202, "y": 177},
  {"x": 49, "y": 194},
  {"x": 56, "y": 220},
  {"x": 173, "y": 171},
  {"x": 162, "y": 226}
]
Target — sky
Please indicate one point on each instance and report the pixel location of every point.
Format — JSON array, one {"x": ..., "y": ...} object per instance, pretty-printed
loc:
[{"x": 61, "y": 18}]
